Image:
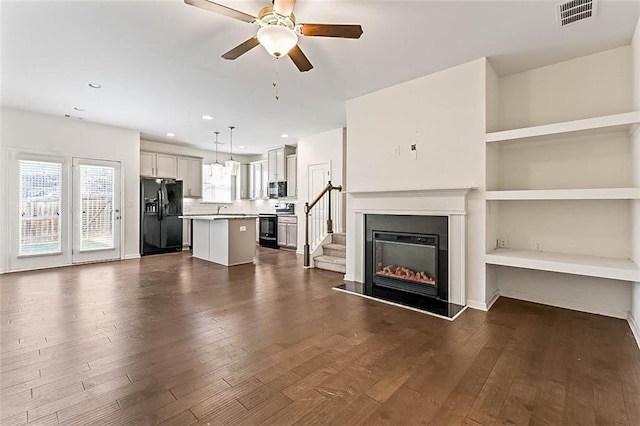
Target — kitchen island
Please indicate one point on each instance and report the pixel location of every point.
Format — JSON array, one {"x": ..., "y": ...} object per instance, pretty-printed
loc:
[{"x": 225, "y": 239}]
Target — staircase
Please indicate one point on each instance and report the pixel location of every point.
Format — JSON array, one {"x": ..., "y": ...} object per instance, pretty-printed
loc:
[{"x": 333, "y": 257}]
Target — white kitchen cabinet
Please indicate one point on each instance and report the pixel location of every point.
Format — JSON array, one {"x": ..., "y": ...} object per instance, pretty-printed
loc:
[
  {"x": 292, "y": 176},
  {"x": 288, "y": 231},
  {"x": 277, "y": 163},
  {"x": 256, "y": 188},
  {"x": 282, "y": 234},
  {"x": 242, "y": 189},
  {"x": 190, "y": 173},
  {"x": 195, "y": 178},
  {"x": 158, "y": 165},
  {"x": 292, "y": 235},
  {"x": 272, "y": 164},
  {"x": 265, "y": 181},
  {"x": 166, "y": 166},
  {"x": 147, "y": 164}
]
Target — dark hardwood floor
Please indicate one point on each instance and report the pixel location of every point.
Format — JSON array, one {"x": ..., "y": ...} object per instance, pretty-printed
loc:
[{"x": 174, "y": 340}]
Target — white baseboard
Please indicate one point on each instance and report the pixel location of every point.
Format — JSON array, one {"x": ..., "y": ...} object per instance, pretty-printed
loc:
[
  {"x": 635, "y": 329},
  {"x": 130, "y": 256},
  {"x": 567, "y": 304},
  {"x": 475, "y": 304},
  {"x": 349, "y": 277}
]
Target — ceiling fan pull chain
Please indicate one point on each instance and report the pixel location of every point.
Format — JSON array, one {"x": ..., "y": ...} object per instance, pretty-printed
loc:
[{"x": 275, "y": 83}]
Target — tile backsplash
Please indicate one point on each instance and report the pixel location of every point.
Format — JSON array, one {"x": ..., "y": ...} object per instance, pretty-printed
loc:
[{"x": 191, "y": 206}]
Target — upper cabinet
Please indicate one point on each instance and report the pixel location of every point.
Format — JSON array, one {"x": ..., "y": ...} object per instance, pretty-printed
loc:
[
  {"x": 258, "y": 180},
  {"x": 190, "y": 173},
  {"x": 277, "y": 163},
  {"x": 186, "y": 169},
  {"x": 292, "y": 176},
  {"x": 158, "y": 165}
]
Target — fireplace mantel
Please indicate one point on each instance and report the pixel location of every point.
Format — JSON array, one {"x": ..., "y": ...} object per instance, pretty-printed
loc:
[
  {"x": 416, "y": 192},
  {"x": 450, "y": 202}
]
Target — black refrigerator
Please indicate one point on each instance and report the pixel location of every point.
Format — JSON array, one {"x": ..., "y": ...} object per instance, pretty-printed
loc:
[{"x": 160, "y": 226}]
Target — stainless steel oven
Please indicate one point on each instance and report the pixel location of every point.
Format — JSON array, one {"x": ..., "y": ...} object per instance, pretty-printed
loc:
[
  {"x": 277, "y": 190},
  {"x": 268, "y": 230}
]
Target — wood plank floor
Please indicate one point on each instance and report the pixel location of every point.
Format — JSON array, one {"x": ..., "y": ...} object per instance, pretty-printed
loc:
[{"x": 174, "y": 340}]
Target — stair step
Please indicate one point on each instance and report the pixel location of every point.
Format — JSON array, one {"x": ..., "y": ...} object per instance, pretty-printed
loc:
[
  {"x": 339, "y": 238},
  {"x": 335, "y": 250},
  {"x": 331, "y": 259},
  {"x": 330, "y": 263}
]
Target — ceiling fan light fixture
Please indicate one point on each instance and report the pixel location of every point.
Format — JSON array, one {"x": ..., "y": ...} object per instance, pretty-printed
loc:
[{"x": 278, "y": 40}]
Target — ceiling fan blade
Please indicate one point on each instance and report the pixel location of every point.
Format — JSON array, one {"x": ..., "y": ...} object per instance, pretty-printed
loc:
[
  {"x": 223, "y": 10},
  {"x": 284, "y": 7},
  {"x": 299, "y": 59},
  {"x": 331, "y": 30},
  {"x": 241, "y": 49}
]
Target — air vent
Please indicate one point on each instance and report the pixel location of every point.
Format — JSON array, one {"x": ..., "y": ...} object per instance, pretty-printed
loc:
[{"x": 575, "y": 10}]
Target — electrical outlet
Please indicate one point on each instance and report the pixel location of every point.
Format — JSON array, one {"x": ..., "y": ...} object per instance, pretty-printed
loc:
[
  {"x": 396, "y": 151},
  {"x": 503, "y": 243},
  {"x": 537, "y": 245},
  {"x": 413, "y": 152}
]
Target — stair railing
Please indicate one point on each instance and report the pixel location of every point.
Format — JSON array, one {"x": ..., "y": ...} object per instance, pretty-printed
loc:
[{"x": 324, "y": 205}]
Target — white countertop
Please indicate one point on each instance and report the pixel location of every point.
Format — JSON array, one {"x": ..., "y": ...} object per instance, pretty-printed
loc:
[{"x": 219, "y": 217}]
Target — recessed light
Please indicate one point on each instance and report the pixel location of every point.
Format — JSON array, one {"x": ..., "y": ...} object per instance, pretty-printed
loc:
[
  {"x": 95, "y": 86},
  {"x": 284, "y": 135},
  {"x": 207, "y": 117},
  {"x": 171, "y": 134},
  {"x": 79, "y": 109}
]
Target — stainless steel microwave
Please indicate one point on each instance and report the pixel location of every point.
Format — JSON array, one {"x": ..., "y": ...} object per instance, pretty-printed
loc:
[{"x": 277, "y": 189}]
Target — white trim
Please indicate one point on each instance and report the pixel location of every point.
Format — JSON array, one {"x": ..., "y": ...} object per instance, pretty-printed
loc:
[
  {"x": 635, "y": 329},
  {"x": 460, "y": 192},
  {"x": 400, "y": 305},
  {"x": 493, "y": 299},
  {"x": 130, "y": 256},
  {"x": 566, "y": 304}
]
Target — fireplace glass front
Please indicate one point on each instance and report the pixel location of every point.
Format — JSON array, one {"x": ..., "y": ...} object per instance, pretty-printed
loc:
[{"x": 406, "y": 262}]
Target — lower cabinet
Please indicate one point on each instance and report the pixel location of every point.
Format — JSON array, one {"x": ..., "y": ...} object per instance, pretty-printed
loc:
[{"x": 288, "y": 231}]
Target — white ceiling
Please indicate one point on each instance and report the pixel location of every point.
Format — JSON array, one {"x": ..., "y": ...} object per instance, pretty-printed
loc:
[{"x": 160, "y": 67}]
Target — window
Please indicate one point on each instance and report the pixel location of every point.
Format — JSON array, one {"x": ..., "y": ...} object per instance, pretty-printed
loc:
[
  {"x": 40, "y": 203},
  {"x": 216, "y": 182}
]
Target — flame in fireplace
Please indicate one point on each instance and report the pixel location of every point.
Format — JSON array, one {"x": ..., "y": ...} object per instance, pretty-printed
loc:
[{"x": 407, "y": 274}]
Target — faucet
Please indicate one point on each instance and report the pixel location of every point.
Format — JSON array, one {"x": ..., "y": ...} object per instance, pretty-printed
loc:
[{"x": 220, "y": 206}]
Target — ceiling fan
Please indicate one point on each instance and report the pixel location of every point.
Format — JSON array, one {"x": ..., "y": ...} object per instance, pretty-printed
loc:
[{"x": 278, "y": 32}]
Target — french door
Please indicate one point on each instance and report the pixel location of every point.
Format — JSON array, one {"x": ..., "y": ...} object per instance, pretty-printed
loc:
[
  {"x": 96, "y": 210},
  {"x": 39, "y": 220},
  {"x": 61, "y": 217}
]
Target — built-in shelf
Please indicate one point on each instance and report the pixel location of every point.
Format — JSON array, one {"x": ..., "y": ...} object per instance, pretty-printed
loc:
[
  {"x": 567, "y": 194},
  {"x": 592, "y": 266},
  {"x": 597, "y": 125}
]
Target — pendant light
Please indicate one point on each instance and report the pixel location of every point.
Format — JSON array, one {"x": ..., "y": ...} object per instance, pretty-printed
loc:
[
  {"x": 231, "y": 164},
  {"x": 217, "y": 167}
]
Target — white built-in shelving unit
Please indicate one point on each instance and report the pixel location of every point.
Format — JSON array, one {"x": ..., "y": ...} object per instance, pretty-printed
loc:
[{"x": 559, "y": 197}]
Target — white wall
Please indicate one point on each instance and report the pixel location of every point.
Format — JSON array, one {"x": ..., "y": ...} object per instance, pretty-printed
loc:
[
  {"x": 635, "y": 306},
  {"x": 326, "y": 147},
  {"x": 565, "y": 290},
  {"x": 50, "y": 135},
  {"x": 444, "y": 115},
  {"x": 585, "y": 87}
]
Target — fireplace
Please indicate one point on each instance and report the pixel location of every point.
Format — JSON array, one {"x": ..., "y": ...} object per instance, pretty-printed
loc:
[
  {"x": 406, "y": 262},
  {"x": 407, "y": 255}
]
